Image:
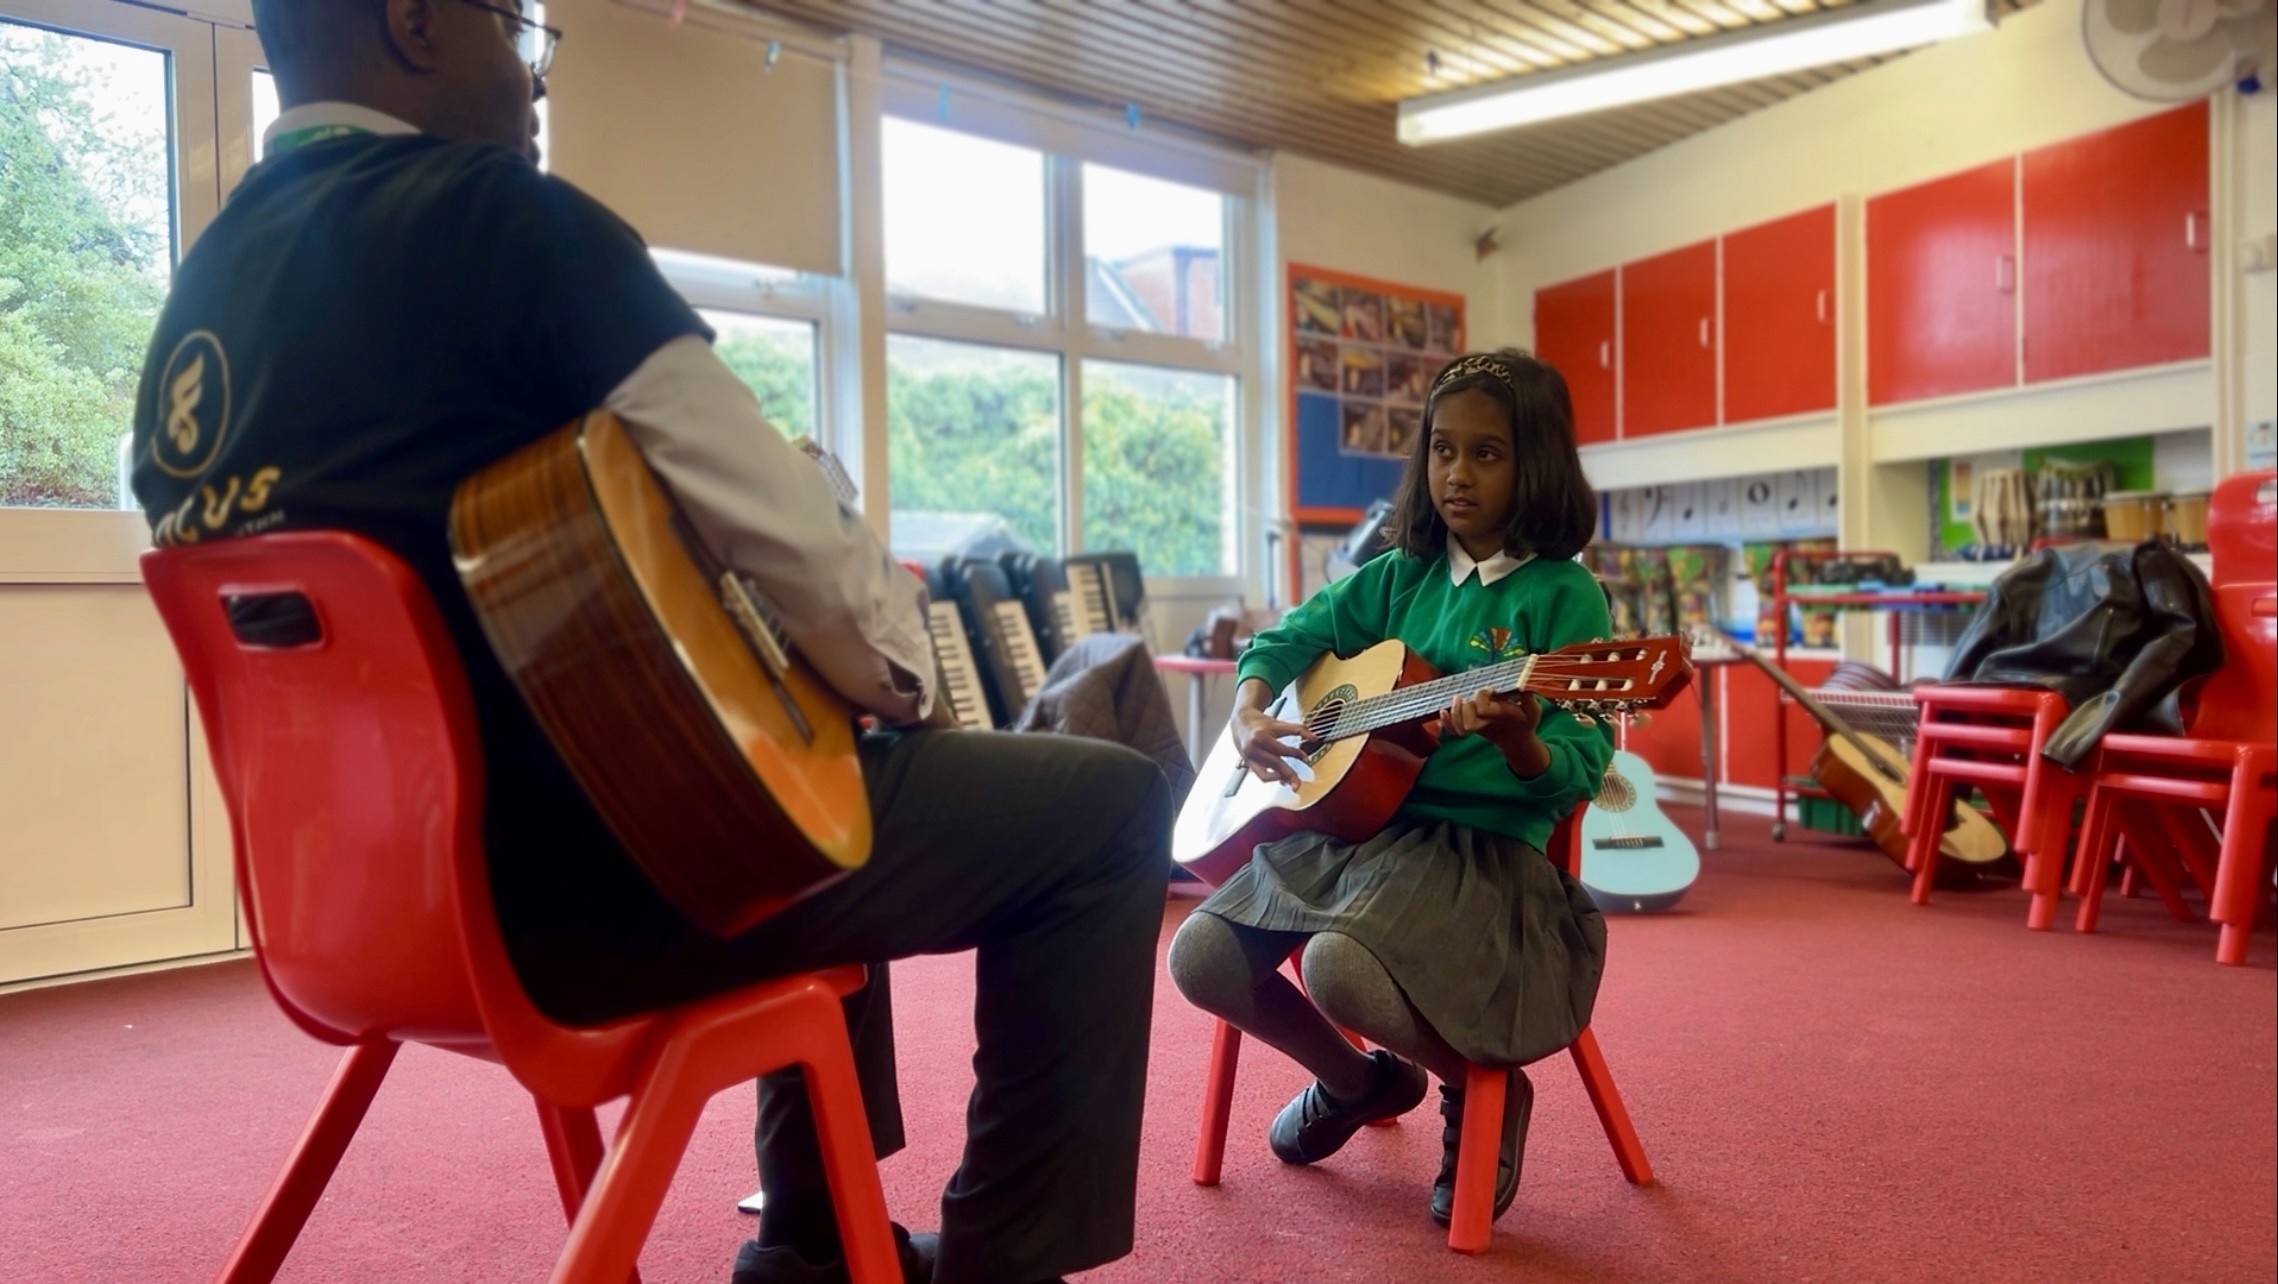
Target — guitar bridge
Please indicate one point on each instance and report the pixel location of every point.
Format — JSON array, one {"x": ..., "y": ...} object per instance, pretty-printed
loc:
[{"x": 744, "y": 607}]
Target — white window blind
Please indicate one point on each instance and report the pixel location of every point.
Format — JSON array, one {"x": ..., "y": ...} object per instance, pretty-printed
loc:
[{"x": 690, "y": 135}]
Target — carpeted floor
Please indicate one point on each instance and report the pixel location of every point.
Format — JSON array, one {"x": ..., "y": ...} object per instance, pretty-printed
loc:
[{"x": 1833, "y": 1085}]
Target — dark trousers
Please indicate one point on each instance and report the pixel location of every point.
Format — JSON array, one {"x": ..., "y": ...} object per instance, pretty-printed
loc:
[{"x": 1048, "y": 856}]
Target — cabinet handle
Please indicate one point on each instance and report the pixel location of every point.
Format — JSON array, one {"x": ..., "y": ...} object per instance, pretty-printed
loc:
[
  {"x": 1704, "y": 332},
  {"x": 2191, "y": 239},
  {"x": 1823, "y": 307},
  {"x": 2005, "y": 274},
  {"x": 1605, "y": 354}
]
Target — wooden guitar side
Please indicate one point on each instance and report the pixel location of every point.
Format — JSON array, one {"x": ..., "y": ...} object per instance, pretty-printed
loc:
[
  {"x": 1356, "y": 785},
  {"x": 615, "y": 635}
]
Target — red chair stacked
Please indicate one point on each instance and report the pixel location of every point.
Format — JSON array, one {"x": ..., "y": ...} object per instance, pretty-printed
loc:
[
  {"x": 2151, "y": 788},
  {"x": 1480, "y": 1148},
  {"x": 352, "y": 773},
  {"x": 1991, "y": 738}
]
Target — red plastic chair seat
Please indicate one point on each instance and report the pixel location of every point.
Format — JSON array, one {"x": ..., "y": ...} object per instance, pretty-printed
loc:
[
  {"x": 1480, "y": 1148},
  {"x": 1991, "y": 738},
  {"x": 351, "y": 770}
]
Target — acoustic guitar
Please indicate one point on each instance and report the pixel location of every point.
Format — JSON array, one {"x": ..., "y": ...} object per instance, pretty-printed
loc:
[
  {"x": 722, "y": 764},
  {"x": 1371, "y": 720},
  {"x": 1634, "y": 858},
  {"x": 1868, "y": 775}
]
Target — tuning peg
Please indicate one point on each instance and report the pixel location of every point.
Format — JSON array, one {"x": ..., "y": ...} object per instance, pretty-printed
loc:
[{"x": 1637, "y": 719}]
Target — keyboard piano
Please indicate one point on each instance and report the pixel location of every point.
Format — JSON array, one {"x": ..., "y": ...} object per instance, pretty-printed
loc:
[
  {"x": 1072, "y": 599},
  {"x": 1011, "y": 662}
]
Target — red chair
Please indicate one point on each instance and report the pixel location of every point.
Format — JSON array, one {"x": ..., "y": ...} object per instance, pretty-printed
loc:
[
  {"x": 2225, "y": 764},
  {"x": 1481, "y": 1145},
  {"x": 352, "y": 773},
  {"x": 1991, "y": 738},
  {"x": 2242, "y": 529}
]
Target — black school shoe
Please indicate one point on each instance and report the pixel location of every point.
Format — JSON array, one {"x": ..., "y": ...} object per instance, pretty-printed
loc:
[
  {"x": 1313, "y": 1126},
  {"x": 1518, "y": 1106},
  {"x": 783, "y": 1265}
]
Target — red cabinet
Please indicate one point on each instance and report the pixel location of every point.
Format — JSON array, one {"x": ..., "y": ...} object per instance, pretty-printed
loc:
[
  {"x": 1668, "y": 342},
  {"x": 1745, "y": 698},
  {"x": 1574, "y": 331},
  {"x": 1942, "y": 285},
  {"x": 1779, "y": 318},
  {"x": 2116, "y": 236},
  {"x": 1670, "y": 739}
]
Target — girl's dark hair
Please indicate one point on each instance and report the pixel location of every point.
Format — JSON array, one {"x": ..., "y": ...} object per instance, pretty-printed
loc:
[{"x": 1554, "y": 512}]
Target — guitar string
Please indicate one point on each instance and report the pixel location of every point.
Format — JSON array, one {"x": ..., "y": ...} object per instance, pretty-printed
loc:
[
  {"x": 1409, "y": 702},
  {"x": 1430, "y": 697}
]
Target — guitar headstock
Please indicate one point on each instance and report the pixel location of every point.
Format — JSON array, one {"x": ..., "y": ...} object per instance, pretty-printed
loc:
[{"x": 1600, "y": 679}]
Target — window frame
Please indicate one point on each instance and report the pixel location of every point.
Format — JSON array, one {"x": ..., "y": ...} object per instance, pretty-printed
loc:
[
  {"x": 1066, "y": 331},
  {"x": 753, "y": 290}
]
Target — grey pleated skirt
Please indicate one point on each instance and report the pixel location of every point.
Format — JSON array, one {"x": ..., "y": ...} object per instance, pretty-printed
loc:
[{"x": 1497, "y": 948}]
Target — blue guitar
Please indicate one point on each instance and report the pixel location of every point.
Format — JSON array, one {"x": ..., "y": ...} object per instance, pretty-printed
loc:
[{"x": 1634, "y": 859}]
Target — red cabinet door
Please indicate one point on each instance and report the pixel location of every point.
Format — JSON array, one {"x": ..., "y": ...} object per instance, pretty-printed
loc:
[
  {"x": 1941, "y": 286},
  {"x": 1779, "y": 318},
  {"x": 1743, "y": 701},
  {"x": 1668, "y": 342},
  {"x": 1670, "y": 739},
  {"x": 1574, "y": 331},
  {"x": 2116, "y": 235}
]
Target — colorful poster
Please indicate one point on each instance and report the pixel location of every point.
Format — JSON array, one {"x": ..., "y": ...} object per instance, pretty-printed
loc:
[{"x": 1362, "y": 357}]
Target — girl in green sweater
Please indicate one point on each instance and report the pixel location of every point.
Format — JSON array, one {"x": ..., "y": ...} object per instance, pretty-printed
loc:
[{"x": 1447, "y": 939}]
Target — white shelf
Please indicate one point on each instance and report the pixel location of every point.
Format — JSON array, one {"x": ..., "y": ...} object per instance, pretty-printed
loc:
[
  {"x": 1710, "y": 454},
  {"x": 2130, "y": 403}
]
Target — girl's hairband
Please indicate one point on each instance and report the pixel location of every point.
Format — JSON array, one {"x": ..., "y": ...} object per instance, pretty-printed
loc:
[{"x": 1482, "y": 364}]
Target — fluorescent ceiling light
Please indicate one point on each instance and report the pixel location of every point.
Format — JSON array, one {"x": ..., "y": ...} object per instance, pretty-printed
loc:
[{"x": 1791, "y": 44}]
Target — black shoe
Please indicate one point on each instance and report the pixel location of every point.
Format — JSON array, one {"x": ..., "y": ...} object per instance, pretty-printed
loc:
[
  {"x": 1518, "y": 1106},
  {"x": 784, "y": 1265},
  {"x": 1314, "y": 1125}
]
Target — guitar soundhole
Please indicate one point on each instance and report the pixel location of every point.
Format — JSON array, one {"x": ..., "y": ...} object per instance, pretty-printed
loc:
[
  {"x": 1616, "y": 794},
  {"x": 1325, "y": 712}
]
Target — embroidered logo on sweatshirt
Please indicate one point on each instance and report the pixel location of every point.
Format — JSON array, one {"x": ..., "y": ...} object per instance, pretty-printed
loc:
[{"x": 1499, "y": 644}]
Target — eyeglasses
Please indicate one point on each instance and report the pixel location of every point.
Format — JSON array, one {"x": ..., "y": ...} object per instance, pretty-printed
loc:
[{"x": 533, "y": 40}]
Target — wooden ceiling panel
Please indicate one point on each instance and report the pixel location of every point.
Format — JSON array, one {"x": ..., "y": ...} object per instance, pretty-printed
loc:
[{"x": 1324, "y": 78}]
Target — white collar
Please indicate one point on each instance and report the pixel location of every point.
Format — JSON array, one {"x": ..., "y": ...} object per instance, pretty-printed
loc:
[
  {"x": 1461, "y": 564},
  {"x": 344, "y": 115}
]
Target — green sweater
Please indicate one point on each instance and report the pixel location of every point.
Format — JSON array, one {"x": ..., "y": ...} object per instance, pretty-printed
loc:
[{"x": 1539, "y": 607}]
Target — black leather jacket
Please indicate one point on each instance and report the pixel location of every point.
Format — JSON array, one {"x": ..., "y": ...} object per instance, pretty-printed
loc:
[{"x": 2118, "y": 633}]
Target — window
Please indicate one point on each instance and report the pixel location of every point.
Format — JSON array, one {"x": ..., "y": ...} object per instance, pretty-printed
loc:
[
  {"x": 971, "y": 431},
  {"x": 1158, "y": 460},
  {"x": 86, "y": 252},
  {"x": 1064, "y": 352},
  {"x": 776, "y": 359},
  {"x": 1153, "y": 251},
  {"x": 964, "y": 219},
  {"x": 265, "y": 109}
]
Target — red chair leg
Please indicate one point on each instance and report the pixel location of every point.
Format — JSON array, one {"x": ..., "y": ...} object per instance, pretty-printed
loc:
[
  {"x": 573, "y": 1145},
  {"x": 667, "y": 1100},
  {"x": 1598, "y": 1081},
  {"x": 1477, "y": 1156},
  {"x": 1924, "y": 849},
  {"x": 2102, "y": 835},
  {"x": 1217, "y": 1104},
  {"x": 2128, "y": 879},
  {"x": 278, "y": 1223},
  {"x": 2236, "y": 900}
]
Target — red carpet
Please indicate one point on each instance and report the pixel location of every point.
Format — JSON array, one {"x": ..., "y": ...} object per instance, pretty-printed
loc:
[{"x": 1833, "y": 1085}]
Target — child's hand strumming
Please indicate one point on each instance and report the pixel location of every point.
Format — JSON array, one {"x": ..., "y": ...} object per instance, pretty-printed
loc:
[{"x": 1506, "y": 722}]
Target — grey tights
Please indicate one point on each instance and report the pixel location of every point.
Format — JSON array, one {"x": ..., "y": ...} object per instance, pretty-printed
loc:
[{"x": 1232, "y": 972}]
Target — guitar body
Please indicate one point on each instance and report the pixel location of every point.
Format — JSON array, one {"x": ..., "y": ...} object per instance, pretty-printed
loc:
[
  {"x": 1353, "y": 787},
  {"x": 1868, "y": 790},
  {"x": 1634, "y": 858},
  {"x": 735, "y": 791}
]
